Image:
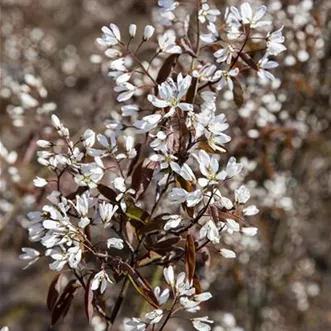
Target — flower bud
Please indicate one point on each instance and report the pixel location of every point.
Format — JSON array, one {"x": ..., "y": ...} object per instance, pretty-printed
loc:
[
  {"x": 44, "y": 143},
  {"x": 39, "y": 182},
  {"x": 132, "y": 30},
  {"x": 148, "y": 32}
]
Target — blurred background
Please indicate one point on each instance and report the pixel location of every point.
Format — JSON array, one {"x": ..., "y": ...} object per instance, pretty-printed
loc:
[{"x": 281, "y": 280}]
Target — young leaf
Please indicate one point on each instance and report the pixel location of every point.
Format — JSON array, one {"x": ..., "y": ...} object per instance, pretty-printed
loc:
[
  {"x": 238, "y": 94},
  {"x": 190, "y": 257},
  {"x": 197, "y": 284},
  {"x": 107, "y": 192},
  {"x": 135, "y": 159},
  {"x": 156, "y": 224},
  {"x": 166, "y": 68},
  {"x": 89, "y": 298},
  {"x": 246, "y": 57},
  {"x": 80, "y": 190},
  {"x": 63, "y": 304},
  {"x": 142, "y": 177},
  {"x": 137, "y": 213},
  {"x": 192, "y": 90},
  {"x": 53, "y": 292},
  {"x": 142, "y": 286},
  {"x": 164, "y": 246}
]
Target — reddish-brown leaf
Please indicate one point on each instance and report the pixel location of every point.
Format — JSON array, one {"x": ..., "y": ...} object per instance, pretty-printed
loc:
[
  {"x": 155, "y": 224},
  {"x": 53, "y": 292},
  {"x": 205, "y": 146},
  {"x": 190, "y": 257},
  {"x": 192, "y": 90},
  {"x": 135, "y": 159},
  {"x": 167, "y": 243},
  {"x": 89, "y": 298},
  {"x": 166, "y": 68},
  {"x": 63, "y": 303},
  {"x": 142, "y": 177},
  {"x": 80, "y": 190},
  {"x": 238, "y": 93},
  {"x": 197, "y": 285},
  {"x": 142, "y": 286},
  {"x": 107, "y": 192},
  {"x": 246, "y": 57},
  {"x": 187, "y": 46}
]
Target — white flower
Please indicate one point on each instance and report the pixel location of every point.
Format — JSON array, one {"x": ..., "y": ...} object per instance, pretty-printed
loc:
[
  {"x": 115, "y": 243},
  {"x": 101, "y": 279},
  {"x": 169, "y": 275},
  {"x": 44, "y": 143},
  {"x": 111, "y": 36},
  {"x": 104, "y": 141},
  {"x": 242, "y": 194},
  {"x": 167, "y": 43},
  {"x": 173, "y": 221},
  {"x": 227, "y": 253},
  {"x": 129, "y": 110},
  {"x": 132, "y": 30},
  {"x": 189, "y": 305},
  {"x": 88, "y": 138},
  {"x": 29, "y": 254},
  {"x": 204, "y": 74},
  {"x": 205, "y": 13},
  {"x": 209, "y": 168},
  {"x": 210, "y": 231},
  {"x": 39, "y": 182},
  {"x": 204, "y": 296},
  {"x": 148, "y": 123},
  {"x": 72, "y": 256},
  {"x": 119, "y": 184},
  {"x": 213, "y": 34},
  {"x": 225, "y": 78},
  {"x": 62, "y": 131},
  {"x": 137, "y": 324},
  {"x": 106, "y": 211},
  {"x": 246, "y": 15},
  {"x": 165, "y": 161},
  {"x": 28, "y": 101},
  {"x": 56, "y": 122},
  {"x": 179, "y": 195},
  {"x": 233, "y": 168},
  {"x": 154, "y": 316},
  {"x": 113, "y": 53},
  {"x": 250, "y": 210},
  {"x": 232, "y": 226},
  {"x": 275, "y": 42},
  {"x": 166, "y": 11},
  {"x": 82, "y": 205},
  {"x": 200, "y": 323},
  {"x": 264, "y": 64},
  {"x": 4, "y": 328},
  {"x": 90, "y": 175},
  {"x": 249, "y": 231},
  {"x": 127, "y": 91},
  {"x": 187, "y": 173},
  {"x": 171, "y": 94},
  {"x": 224, "y": 54},
  {"x": 226, "y": 203},
  {"x": 148, "y": 32},
  {"x": 129, "y": 147},
  {"x": 215, "y": 141},
  {"x": 160, "y": 142},
  {"x": 162, "y": 297}
]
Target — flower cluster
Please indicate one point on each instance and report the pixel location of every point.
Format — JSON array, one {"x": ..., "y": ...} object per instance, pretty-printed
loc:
[
  {"x": 184, "y": 297},
  {"x": 159, "y": 175}
]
